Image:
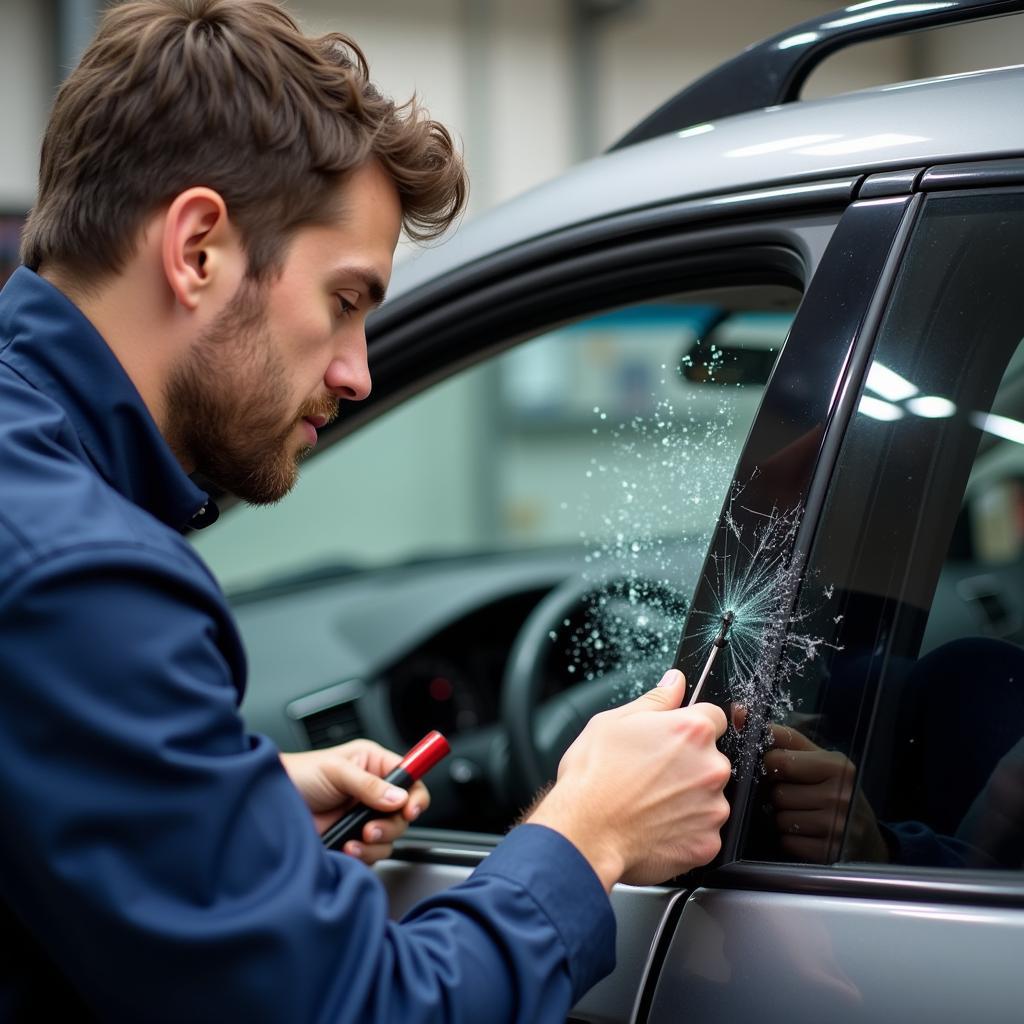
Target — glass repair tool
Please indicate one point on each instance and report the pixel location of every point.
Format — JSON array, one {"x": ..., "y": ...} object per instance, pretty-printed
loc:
[
  {"x": 728, "y": 618},
  {"x": 431, "y": 749}
]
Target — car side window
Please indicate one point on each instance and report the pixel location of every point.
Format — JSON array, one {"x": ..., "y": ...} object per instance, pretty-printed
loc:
[
  {"x": 625, "y": 423},
  {"x": 905, "y": 739}
]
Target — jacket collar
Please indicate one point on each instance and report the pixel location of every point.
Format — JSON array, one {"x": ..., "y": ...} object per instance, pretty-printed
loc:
[{"x": 46, "y": 339}]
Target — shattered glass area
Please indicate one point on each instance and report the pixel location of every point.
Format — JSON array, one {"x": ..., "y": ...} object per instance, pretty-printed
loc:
[
  {"x": 758, "y": 578},
  {"x": 665, "y": 465}
]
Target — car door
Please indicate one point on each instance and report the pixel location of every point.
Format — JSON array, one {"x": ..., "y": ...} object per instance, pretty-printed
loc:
[
  {"x": 748, "y": 258},
  {"x": 872, "y": 866}
]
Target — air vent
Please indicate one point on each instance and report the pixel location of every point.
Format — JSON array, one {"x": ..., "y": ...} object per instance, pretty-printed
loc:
[
  {"x": 330, "y": 717},
  {"x": 333, "y": 726}
]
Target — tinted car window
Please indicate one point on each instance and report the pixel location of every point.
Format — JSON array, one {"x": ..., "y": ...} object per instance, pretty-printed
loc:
[{"x": 905, "y": 738}]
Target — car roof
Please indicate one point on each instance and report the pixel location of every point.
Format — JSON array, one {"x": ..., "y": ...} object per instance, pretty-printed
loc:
[{"x": 907, "y": 124}]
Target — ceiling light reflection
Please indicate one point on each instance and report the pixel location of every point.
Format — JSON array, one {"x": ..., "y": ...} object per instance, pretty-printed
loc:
[
  {"x": 888, "y": 12},
  {"x": 800, "y": 39},
  {"x": 889, "y": 384},
  {"x": 1001, "y": 426},
  {"x": 865, "y": 5},
  {"x": 697, "y": 129},
  {"x": 780, "y": 145},
  {"x": 879, "y": 410},
  {"x": 931, "y": 407},
  {"x": 866, "y": 142}
]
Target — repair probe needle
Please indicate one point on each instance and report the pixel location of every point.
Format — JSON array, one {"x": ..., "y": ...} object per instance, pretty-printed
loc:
[{"x": 716, "y": 645}]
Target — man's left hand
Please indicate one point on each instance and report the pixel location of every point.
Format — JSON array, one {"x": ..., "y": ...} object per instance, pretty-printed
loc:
[{"x": 334, "y": 780}]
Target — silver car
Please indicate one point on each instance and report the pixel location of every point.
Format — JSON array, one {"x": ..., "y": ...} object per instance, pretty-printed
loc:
[{"x": 763, "y": 357}]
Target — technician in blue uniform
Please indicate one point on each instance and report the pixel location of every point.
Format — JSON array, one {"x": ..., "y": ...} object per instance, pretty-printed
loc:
[{"x": 219, "y": 204}]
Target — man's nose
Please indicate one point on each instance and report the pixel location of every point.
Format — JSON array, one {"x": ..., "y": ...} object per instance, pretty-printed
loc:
[{"x": 348, "y": 376}]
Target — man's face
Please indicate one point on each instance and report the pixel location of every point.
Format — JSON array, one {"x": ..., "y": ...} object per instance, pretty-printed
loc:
[{"x": 245, "y": 405}]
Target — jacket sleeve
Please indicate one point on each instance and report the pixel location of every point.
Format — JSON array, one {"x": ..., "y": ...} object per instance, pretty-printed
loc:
[{"x": 170, "y": 868}]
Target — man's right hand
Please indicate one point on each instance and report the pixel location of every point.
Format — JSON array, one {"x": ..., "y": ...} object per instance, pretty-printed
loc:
[{"x": 639, "y": 792}]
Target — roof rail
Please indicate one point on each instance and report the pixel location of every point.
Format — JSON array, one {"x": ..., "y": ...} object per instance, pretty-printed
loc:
[{"x": 773, "y": 71}]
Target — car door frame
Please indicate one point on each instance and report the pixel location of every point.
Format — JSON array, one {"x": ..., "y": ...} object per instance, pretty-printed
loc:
[
  {"x": 539, "y": 286},
  {"x": 764, "y": 906}
]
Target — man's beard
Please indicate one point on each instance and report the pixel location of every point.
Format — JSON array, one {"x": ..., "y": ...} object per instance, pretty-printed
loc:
[{"x": 227, "y": 406}]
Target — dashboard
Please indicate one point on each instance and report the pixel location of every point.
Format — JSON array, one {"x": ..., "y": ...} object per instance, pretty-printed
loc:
[{"x": 393, "y": 653}]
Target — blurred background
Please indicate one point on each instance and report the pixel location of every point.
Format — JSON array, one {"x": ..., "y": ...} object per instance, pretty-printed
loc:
[{"x": 530, "y": 87}]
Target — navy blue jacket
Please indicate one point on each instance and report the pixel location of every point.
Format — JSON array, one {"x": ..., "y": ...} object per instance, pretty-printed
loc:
[{"x": 156, "y": 861}]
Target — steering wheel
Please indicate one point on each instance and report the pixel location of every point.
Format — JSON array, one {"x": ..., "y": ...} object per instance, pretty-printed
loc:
[{"x": 620, "y": 631}]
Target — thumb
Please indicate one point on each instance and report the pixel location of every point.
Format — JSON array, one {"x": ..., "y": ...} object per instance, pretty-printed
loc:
[
  {"x": 364, "y": 787},
  {"x": 668, "y": 694}
]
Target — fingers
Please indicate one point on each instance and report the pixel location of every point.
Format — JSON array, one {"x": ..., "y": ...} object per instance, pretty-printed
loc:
[
  {"x": 738, "y": 715},
  {"x": 810, "y": 824},
  {"x": 349, "y": 779},
  {"x": 369, "y": 755},
  {"x": 713, "y": 713},
  {"x": 383, "y": 830},
  {"x": 379, "y": 834},
  {"x": 806, "y": 767},
  {"x": 419, "y": 801},
  {"x": 668, "y": 696},
  {"x": 796, "y": 797},
  {"x": 786, "y": 738},
  {"x": 368, "y": 853}
]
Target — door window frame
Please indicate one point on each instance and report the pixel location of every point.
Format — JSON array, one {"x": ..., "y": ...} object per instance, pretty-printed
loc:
[{"x": 855, "y": 241}]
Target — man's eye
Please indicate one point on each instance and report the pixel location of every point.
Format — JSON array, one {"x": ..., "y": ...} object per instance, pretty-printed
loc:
[{"x": 344, "y": 306}]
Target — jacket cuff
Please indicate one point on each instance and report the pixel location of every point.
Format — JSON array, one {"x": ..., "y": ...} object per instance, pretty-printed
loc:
[{"x": 566, "y": 889}]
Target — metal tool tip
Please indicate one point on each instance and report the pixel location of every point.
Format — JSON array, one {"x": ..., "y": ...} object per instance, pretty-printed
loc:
[{"x": 727, "y": 620}]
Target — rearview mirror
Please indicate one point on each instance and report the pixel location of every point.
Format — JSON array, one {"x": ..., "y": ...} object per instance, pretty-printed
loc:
[{"x": 739, "y": 349}]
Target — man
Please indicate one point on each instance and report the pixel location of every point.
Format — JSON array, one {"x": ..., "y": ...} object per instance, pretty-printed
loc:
[{"x": 219, "y": 203}]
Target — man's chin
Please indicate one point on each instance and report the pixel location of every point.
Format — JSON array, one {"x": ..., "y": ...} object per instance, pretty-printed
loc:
[
  {"x": 271, "y": 491},
  {"x": 264, "y": 485}
]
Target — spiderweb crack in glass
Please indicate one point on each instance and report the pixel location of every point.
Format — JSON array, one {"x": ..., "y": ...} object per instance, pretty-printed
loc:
[{"x": 757, "y": 577}]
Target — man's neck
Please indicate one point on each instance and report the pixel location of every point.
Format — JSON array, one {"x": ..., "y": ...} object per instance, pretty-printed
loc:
[{"x": 121, "y": 311}]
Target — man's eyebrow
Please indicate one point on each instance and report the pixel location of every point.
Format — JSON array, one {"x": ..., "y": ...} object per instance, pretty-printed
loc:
[{"x": 370, "y": 280}]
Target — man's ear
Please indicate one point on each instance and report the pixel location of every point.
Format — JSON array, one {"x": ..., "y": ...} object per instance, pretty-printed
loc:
[{"x": 201, "y": 251}]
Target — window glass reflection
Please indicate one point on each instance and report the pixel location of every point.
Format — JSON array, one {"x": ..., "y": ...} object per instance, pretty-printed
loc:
[{"x": 905, "y": 742}]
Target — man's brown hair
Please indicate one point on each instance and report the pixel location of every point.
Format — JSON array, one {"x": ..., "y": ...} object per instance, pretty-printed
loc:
[{"x": 231, "y": 95}]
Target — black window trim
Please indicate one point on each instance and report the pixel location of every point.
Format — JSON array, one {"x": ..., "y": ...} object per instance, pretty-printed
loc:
[{"x": 859, "y": 262}]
